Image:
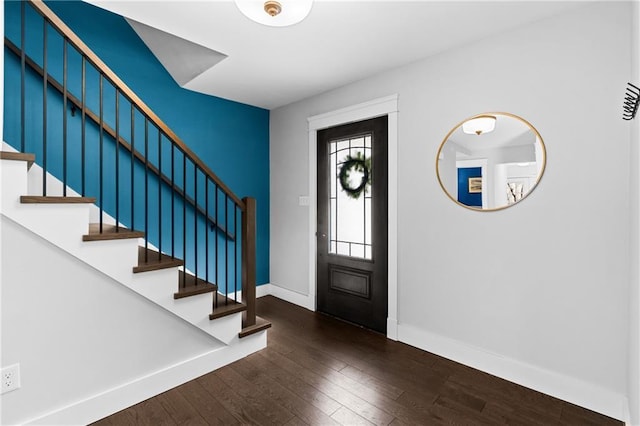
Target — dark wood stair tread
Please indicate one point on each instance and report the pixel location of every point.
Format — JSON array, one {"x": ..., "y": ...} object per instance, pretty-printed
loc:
[
  {"x": 38, "y": 199},
  {"x": 261, "y": 324},
  {"x": 18, "y": 156},
  {"x": 222, "y": 309},
  {"x": 109, "y": 232},
  {"x": 189, "y": 285},
  {"x": 154, "y": 263}
]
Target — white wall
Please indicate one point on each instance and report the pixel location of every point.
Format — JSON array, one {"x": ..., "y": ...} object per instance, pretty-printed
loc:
[
  {"x": 633, "y": 381},
  {"x": 553, "y": 314},
  {"x": 75, "y": 332}
]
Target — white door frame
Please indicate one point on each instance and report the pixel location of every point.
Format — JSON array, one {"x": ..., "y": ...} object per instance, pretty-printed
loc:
[{"x": 378, "y": 107}]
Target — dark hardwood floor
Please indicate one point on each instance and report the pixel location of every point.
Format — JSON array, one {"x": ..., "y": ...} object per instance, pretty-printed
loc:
[{"x": 320, "y": 371}]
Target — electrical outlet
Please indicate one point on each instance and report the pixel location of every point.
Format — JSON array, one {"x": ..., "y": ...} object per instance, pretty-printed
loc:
[{"x": 10, "y": 378}]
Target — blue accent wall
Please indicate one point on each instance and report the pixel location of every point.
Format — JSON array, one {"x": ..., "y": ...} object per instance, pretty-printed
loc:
[
  {"x": 466, "y": 198},
  {"x": 231, "y": 138}
]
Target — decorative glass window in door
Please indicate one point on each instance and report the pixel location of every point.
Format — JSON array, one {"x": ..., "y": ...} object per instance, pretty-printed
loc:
[{"x": 350, "y": 198}]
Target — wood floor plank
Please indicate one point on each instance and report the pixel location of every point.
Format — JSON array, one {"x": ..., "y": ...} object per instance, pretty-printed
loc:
[
  {"x": 253, "y": 396},
  {"x": 296, "y": 421},
  {"x": 509, "y": 394},
  {"x": 284, "y": 341},
  {"x": 348, "y": 399},
  {"x": 206, "y": 405},
  {"x": 240, "y": 408},
  {"x": 302, "y": 409},
  {"x": 180, "y": 410},
  {"x": 381, "y": 386},
  {"x": 346, "y": 417},
  {"x": 150, "y": 413},
  {"x": 305, "y": 391},
  {"x": 457, "y": 394},
  {"x": 500, "y": 413}
]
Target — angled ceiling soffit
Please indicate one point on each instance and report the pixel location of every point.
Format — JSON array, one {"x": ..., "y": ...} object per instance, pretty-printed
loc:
[{"x": 183, "y": 59}]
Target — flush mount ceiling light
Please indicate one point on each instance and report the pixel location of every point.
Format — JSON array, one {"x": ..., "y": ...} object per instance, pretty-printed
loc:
[
  {"x": 479, "y": 125},
  {"x": 280, "y": 13}
]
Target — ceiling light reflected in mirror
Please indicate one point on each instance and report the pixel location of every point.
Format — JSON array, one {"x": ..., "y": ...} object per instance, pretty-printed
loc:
[{"x": 479, "y": 125}]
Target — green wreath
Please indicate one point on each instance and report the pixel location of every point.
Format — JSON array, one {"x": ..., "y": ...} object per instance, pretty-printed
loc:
[{"x": 360, "y": 164}]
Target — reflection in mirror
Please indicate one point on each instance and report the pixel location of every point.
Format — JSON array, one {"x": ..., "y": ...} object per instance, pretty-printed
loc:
[{"x": 491, "y": 161}]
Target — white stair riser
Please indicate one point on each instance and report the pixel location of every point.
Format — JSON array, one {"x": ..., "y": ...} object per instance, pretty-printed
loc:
[{"x": 13, "y": 178}]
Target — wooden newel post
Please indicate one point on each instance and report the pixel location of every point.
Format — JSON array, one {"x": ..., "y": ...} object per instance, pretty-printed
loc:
[{"x": 249, "y": 261}]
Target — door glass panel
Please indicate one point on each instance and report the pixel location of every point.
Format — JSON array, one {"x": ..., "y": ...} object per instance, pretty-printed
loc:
[{"x": 350, "y": 196}]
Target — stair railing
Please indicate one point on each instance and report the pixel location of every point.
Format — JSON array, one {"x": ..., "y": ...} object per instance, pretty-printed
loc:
[{"x": 173, "y": 196}]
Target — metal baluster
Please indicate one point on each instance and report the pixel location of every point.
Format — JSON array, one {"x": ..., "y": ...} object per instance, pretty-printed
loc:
[
  {"x": 22, "y": 76},
  {"x": 117, "y": 161},
  {"x": 173, "y": 199},
  {"x": 206, "y": 228},
  {"x": 133, "y": 158},
  {"x": 226, "y": 249},
  {"x": 45, "y": 74},
  {"x": 216, "y": 243},
  {"x": 195, "y": 218},
  {"x": 184, "y": 218},
  {"x": 159, "y": 195},
  {"x": 146, "y": 189},
  {"x": 235, "y": 250},
  {"x": 64, "y": 116},
  {"x": 84, "y": 122},
  {"x": 101, "y": 146}
]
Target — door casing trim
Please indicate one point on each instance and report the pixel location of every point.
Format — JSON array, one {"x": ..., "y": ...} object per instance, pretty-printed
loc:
[{"x": 388, "y": 106}]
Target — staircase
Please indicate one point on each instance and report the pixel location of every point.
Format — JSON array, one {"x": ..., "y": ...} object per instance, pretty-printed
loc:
[
  {"x": 127, "y": 196},
  {"x": 121, "y": 255}
]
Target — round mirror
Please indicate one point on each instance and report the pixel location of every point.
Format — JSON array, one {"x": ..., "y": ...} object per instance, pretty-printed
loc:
[{"x": 491, "y": 161}]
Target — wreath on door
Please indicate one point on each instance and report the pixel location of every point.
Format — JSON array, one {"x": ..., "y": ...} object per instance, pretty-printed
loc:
[{"x": 358, "y": 163}]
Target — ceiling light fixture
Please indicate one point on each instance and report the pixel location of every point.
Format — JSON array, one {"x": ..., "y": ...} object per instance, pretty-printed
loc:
[
  {"x": 479, "y": 125},
  {"x": 280, "y": 13}
]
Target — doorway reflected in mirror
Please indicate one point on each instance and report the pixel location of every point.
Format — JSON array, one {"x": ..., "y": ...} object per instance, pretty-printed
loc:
[{"x": 491, "y": 169}]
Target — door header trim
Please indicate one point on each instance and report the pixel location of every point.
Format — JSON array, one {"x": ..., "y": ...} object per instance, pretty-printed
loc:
[{"x": 363, "y": 111}]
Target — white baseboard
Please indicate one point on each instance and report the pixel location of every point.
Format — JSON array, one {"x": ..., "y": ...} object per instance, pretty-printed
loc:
[
  {"x": 113, "y": 400},
  {"x": 392, "y": 329},
  {"x": 567, "y": 388},
  {"x": 263, "y": 290},
  {"x": 296, "y": 298}
]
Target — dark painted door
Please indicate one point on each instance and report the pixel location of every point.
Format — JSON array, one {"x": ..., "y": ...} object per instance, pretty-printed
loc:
[
  {"x": 470, "y": 186},
  {"x": 352, "y": 223}
]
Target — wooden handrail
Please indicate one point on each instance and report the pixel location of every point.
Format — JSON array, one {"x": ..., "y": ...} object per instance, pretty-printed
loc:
[
  {"x": 111, "y": 132},
  {"x": 129, "y": 94}
]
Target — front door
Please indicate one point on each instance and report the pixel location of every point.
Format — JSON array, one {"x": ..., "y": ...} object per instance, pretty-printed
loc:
[{"x": 352, "y": 223}]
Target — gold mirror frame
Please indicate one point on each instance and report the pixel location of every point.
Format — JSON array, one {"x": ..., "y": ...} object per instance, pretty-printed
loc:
[{"x": 543, "y": 152}]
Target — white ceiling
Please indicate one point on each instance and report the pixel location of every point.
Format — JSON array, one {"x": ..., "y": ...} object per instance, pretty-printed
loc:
[{"x": 340, "y": 41}]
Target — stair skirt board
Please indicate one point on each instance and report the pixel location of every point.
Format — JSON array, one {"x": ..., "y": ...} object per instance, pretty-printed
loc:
[{"x": 98, "y": 406}]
